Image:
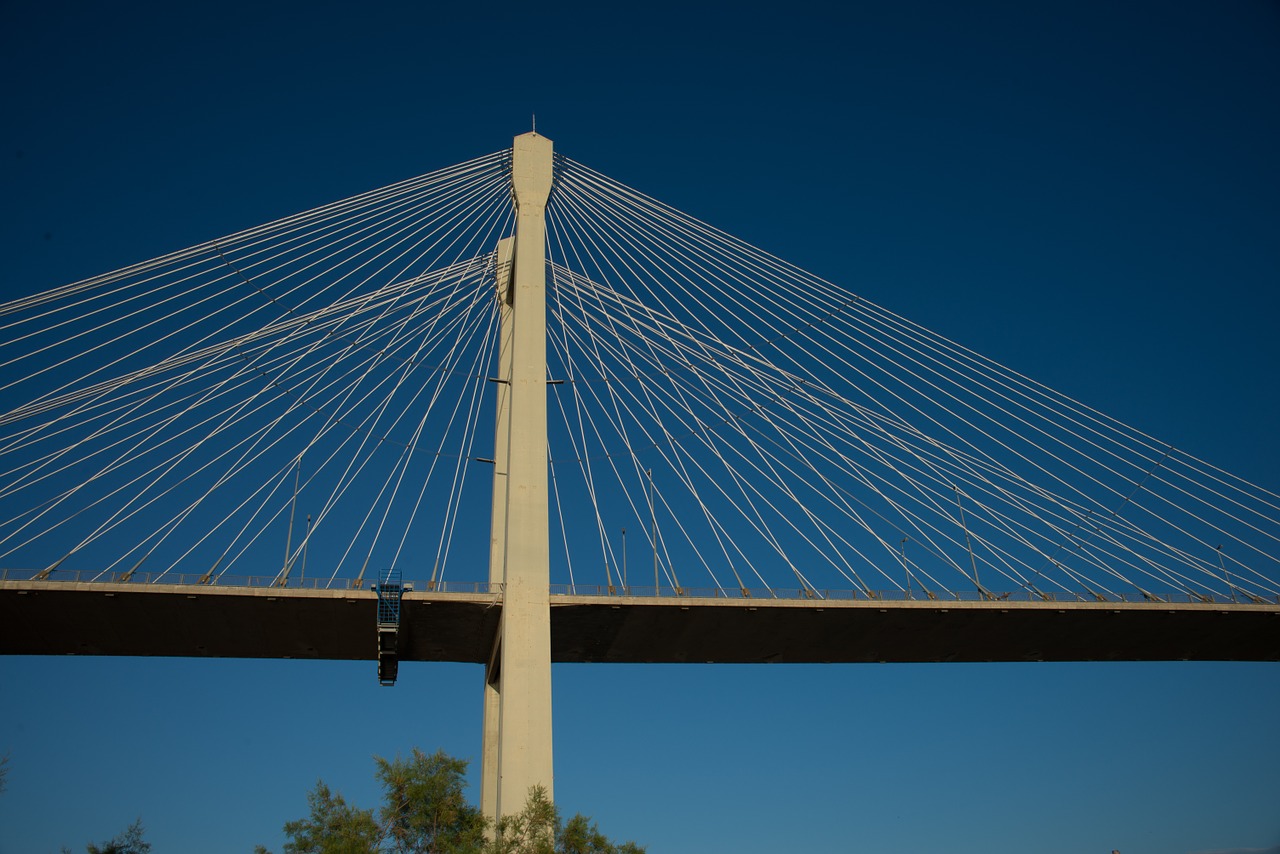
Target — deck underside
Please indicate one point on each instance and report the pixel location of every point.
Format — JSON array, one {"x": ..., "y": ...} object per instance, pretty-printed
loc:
[{"x": 43, "y": 618}]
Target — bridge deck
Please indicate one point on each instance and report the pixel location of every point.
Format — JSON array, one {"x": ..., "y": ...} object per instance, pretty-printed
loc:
[{"x": 40, "y": 618}]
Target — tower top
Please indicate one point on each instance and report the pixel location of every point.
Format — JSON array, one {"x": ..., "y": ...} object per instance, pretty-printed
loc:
[{"x": 531, "y": 168}]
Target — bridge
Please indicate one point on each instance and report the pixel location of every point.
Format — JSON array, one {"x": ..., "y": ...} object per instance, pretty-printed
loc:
[
  {"x": 285, "y": 443},
  {"x": 255, "y": 619}
]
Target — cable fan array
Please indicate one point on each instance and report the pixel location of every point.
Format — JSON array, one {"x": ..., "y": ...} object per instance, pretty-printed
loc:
[
  {"x": 294, "y": 400},
  {"x": 792, "y": 434},
  {"x": 308, "y": 401}
]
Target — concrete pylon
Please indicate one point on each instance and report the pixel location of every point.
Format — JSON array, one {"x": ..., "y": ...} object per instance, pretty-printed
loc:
[{"x": 517, "y": 731}]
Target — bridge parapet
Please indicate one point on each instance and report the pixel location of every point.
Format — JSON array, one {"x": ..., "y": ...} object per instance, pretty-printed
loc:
[
  {"x": 851, "y": 594},
  {"x": 762, "y": 594},
  {"x": 196, "y": 579}
]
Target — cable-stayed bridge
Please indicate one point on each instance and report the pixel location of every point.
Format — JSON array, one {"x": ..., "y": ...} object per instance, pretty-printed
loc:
[{"x": 684, "y": 449}]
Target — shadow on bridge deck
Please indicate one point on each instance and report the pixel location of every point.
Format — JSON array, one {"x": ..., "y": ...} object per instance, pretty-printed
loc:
[{"x": 57, "y": 618}]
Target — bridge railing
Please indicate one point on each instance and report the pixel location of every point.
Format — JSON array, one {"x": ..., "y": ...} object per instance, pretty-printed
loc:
[
  {"x": 849, "y": 594},
  {"x": 237, "y": 581},
  {"x": 650, "y": 592}
]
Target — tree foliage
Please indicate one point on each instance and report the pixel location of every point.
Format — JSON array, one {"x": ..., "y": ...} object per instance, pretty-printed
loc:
[
  {"x": 582, "y": 836},
  {"x": 537, "y": 829},
  {"x": 531, "y": 831},
  {"x": 128, "y": 842},
  {"x": 334, "y": 827},
  {"x": 425, "y": 811}
]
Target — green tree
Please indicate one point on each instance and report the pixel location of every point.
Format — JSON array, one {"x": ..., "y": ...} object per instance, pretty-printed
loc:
[
  {"x": 425, "y": 810},
  {"x": 537, "y": 829},
  {"x": 128, "y": 842},
  {"x": 334, "y": 827},
  {"x": 533, "y": 830},
  {"x": 582, "y": 836}
]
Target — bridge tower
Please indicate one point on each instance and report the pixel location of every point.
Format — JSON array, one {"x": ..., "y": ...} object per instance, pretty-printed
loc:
[{"x": 516, "y": 753}]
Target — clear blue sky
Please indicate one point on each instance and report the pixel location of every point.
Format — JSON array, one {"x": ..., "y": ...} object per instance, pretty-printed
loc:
[{"x": 1087, "y": 192}]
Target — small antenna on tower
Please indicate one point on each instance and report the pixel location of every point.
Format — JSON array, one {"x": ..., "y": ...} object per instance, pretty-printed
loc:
[{"x": 535, "y": 122}]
